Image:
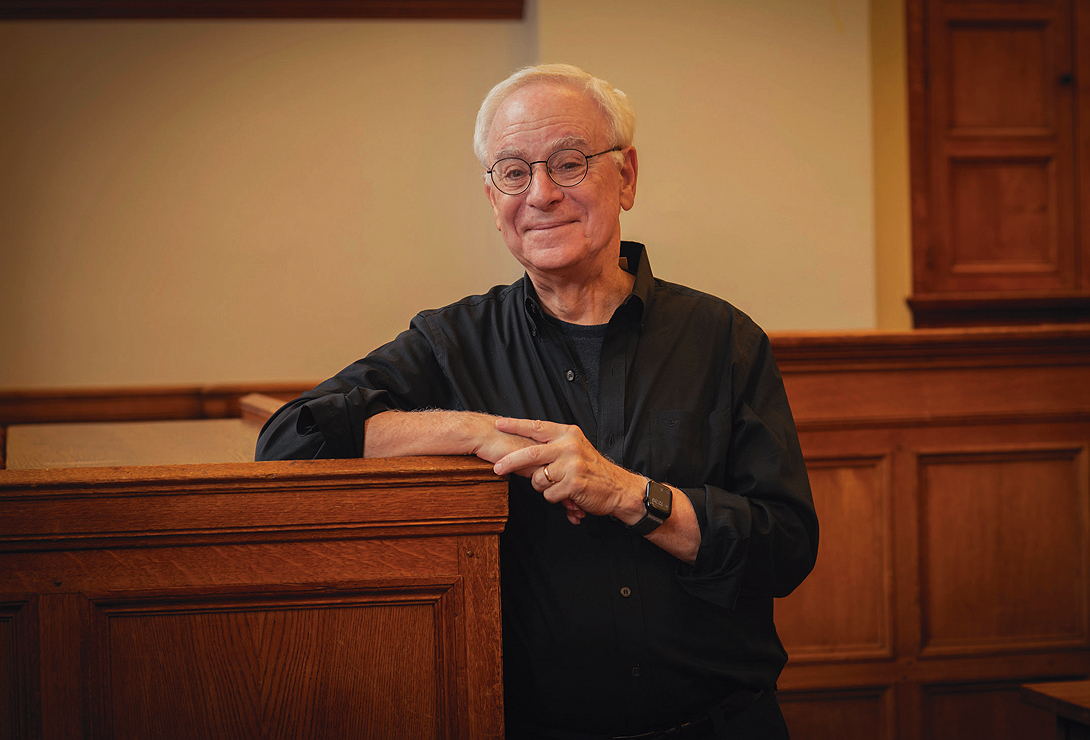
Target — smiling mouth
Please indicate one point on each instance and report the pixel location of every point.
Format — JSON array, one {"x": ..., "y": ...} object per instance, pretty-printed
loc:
[{"x": 546, "y": 227}]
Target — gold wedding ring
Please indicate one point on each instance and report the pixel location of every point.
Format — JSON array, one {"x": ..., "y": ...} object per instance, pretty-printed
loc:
[{"x": 548, "y": 477}]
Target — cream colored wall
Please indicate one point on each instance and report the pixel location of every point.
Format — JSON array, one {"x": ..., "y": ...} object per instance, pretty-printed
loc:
[
  {"x": 202, "y": 202},
  {"x": 889, "y": 96},
  {"x": 754, "y": 143},
  {"x": 234, "y": 201}
]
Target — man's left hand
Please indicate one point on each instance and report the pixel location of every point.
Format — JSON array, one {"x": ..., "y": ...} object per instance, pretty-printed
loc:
[{"x": 567, "y": 469}]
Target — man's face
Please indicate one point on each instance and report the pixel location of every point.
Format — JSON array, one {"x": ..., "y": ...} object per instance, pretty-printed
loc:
[{"x": 551, "y": 229}]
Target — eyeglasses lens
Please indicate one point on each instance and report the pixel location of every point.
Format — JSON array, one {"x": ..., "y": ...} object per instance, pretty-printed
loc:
[{"x": 566, "y": 167}]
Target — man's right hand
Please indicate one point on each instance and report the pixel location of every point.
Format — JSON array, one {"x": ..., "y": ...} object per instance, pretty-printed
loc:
[{"x": 407, "y": 433}]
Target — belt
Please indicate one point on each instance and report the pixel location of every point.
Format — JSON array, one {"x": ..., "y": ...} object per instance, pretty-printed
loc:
[{"x": 703, "y": 726}]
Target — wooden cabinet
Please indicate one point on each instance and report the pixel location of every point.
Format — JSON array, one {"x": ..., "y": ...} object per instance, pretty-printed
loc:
[{"x": 999, "y": 101}]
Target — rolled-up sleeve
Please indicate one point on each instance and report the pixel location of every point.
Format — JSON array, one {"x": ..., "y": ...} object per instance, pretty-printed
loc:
[
  {"x": 329, "y": 421},
  {"x": 759, "y": 530}
]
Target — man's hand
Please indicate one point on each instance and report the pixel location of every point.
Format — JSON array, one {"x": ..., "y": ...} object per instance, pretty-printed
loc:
[
  {"x": 578, "y": 476},
  {"x": 567, "y": 469}
]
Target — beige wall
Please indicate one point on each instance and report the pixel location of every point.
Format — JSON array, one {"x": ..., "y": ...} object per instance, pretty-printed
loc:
[
  {"x": 202, "y": 202},
  {"x": 754, "y": 141}
]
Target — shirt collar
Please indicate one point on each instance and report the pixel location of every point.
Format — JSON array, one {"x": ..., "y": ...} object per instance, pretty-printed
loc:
[
  {"x": 638, "y": 264},
  {"x": 635, "y": 255}
]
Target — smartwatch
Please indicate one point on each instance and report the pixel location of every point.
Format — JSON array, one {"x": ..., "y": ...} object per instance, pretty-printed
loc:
[{"x": 658, "y": 500}]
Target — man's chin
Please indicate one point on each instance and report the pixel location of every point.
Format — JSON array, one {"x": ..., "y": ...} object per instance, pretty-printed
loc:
[{"x": 548, "y": 255}]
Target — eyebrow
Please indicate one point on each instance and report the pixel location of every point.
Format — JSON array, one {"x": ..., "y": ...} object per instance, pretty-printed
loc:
[{"x": 564, "y": 142}]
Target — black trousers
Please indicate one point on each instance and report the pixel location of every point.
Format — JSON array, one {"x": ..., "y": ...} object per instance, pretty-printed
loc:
[{"x": 761, "y": 720}]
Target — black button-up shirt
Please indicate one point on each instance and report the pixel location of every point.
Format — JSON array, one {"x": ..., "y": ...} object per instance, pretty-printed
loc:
[{"x": 603, "y": 631}]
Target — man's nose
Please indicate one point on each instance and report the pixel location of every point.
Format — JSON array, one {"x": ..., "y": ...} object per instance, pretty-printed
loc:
[{"x": 543, "y": 189}]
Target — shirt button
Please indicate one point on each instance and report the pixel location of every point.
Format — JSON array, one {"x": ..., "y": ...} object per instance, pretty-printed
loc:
[
  {"x": 636, "y": 671},
  {"x": 626, "y": 592},
  {"x": 571, "y": 375}
]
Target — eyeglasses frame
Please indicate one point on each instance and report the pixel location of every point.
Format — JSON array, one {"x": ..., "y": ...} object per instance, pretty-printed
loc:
[{"x": 530, "y": 168}]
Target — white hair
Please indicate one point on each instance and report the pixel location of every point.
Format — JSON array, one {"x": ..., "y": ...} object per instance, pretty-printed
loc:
[{"x": 614, "y": 104}]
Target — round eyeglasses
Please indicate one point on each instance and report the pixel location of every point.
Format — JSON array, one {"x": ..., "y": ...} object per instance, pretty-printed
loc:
[{"x": 566, "y": 167}]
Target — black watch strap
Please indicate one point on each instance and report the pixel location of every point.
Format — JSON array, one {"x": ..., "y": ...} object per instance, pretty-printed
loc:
[{"x": 658, "y": 500}]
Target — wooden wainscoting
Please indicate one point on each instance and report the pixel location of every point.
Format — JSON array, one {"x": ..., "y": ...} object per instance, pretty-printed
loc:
[{"x": 950, "y": 473}]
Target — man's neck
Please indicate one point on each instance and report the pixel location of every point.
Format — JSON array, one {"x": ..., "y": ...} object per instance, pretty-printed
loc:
[{"x": 588, "y": 302}]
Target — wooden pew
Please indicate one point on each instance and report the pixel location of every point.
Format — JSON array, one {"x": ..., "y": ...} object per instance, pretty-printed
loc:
[{"x": 347, "y": 599}]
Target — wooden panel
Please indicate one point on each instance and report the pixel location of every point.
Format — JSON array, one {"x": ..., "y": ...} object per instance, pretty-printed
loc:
[
  {"x": 844, "y": 608},
  {"x": 15, "y": 669},
  {"x": 334, "y": 664},
  {"x": 1004, "y": 549},
  {"x": 1003, "y": 221},
  {"x": 862, "y": 714},
  {"x": 60, "y": 650},
  {"x": 479, "y": 564},
  {"x": 9, "y": 702},
  {"x": 982, "y": 711},
  {"x": 998, "y": 77}
]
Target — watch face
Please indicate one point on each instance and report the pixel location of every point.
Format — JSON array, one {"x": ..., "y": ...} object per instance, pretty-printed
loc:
[{"x": 660, "y": 498}]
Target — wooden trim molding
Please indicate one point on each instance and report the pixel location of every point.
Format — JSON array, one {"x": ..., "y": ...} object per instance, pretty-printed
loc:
[
  {"x": 116, "y": 9},
  {"x": 956, "y": 309},
  {"x": 1065, "y": 344},
  {"x": 246, "y": 502}
]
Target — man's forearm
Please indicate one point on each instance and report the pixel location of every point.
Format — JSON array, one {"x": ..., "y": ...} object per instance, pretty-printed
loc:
[{"x": 405, "y": 433}]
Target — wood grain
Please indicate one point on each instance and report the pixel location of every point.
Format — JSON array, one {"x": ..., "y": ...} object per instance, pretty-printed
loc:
[{"x": 253, "y": 600}]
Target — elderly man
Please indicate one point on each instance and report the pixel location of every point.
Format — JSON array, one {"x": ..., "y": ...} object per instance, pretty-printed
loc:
[{"x": 658, "y": 498}]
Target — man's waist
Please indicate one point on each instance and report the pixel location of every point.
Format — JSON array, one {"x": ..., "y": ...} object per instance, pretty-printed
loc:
[{"x": 701, "y": 725}]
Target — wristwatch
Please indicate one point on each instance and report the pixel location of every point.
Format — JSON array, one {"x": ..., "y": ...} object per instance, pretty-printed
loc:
[{"x": 658, "y": 499}]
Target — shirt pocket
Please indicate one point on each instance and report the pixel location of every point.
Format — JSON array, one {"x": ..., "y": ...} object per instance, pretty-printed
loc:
[
  {"x": 676, "y": 452},
  {"x": 689, "y": 449}
]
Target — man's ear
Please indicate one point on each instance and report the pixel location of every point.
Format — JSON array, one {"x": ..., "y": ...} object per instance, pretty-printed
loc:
[
  {"x": 629, "y": 170},
  {"x": 492, "y": 194}
]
